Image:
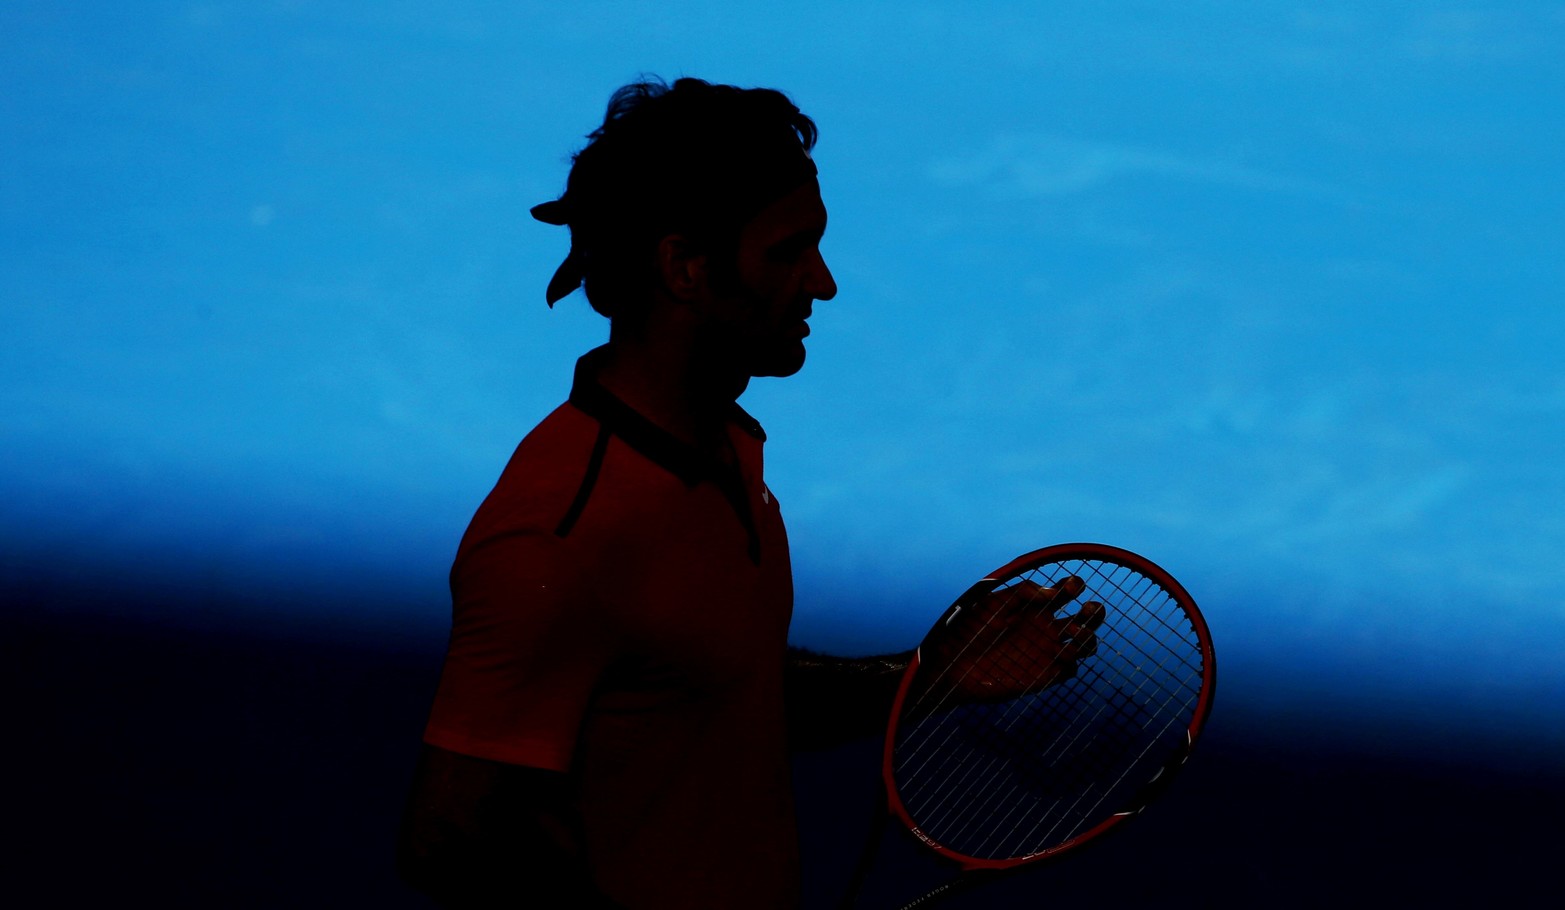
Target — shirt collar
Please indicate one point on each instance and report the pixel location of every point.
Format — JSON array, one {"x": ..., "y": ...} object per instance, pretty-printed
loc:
[{"x": 655, "y": 443}]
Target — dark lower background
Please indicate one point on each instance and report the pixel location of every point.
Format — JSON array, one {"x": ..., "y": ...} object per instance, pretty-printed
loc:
[{"x": 181, "y": 764}]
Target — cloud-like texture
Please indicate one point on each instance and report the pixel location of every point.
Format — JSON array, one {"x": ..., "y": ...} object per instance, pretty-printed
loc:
[{"x": 1047, "y": 165}]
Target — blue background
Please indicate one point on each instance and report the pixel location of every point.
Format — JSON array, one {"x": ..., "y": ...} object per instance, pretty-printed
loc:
[{"x": 1267, "y": 291}]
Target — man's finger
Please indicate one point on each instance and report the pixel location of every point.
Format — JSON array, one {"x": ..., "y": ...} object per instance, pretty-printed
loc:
[
  {"x": 1081, "y": 623},
  {"x": 1091, "y": 614},
  {"x": 1079, "y": 646},
  {"x": 1023, "y": 599},
  {"x": 1061, "y": 593}
]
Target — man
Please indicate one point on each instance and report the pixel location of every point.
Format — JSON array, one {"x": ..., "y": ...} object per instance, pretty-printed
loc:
[{"x": 611, "y": 727}]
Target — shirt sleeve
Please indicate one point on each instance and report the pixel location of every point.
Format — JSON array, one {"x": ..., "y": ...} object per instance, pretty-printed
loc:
[{"x": 529, "y": 641}]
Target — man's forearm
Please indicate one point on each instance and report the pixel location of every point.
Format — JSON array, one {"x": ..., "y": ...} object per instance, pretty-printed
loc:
[{"x": 834, "y": 700}]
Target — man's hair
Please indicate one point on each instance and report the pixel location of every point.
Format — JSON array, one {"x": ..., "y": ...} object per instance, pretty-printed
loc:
[{"x": 693, "y": 158}]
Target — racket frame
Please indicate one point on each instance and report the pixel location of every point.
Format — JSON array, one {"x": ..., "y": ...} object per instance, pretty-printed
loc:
[{"x": 1057, "y": 554}]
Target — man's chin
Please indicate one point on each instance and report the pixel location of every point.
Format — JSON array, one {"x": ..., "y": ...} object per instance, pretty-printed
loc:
[{"x": 781, "y": 363}]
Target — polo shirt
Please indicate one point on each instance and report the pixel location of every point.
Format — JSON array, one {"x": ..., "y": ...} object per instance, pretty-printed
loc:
[{"x": 621, "y": 604}]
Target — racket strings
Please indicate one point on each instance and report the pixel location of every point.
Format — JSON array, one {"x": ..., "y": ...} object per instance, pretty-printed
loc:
[
  {"x": 929, "y": 712},
  {"x": 1082, "y": 782},
  {"x": 1132, "y": 732},
  {"x": 1053, "y": 757},
  {"x": 1136, "y": 597},
  {"x": 1021, "y": 796},
  {"x": 926, "y": 712},
  {"x": 1061, "y": 804}
]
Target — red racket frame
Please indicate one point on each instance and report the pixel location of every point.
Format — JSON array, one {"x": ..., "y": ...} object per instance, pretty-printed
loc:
[{"x": 1053, "y": 554}]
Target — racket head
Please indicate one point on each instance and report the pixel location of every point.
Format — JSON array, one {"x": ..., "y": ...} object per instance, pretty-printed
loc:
[{"x": 994, "y": 784}]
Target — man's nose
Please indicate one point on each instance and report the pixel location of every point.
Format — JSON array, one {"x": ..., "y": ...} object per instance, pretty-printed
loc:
[{"x": 822, "y": 285}]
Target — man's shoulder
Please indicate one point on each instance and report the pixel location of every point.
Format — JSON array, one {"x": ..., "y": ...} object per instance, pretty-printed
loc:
[
  {"x": 561, "y": 442},
  {"x": 569, "y": 455},
  {"x": 532, "y": 490}
]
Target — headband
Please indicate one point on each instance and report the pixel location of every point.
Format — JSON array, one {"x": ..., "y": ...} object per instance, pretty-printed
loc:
[{"x": 733, "y": 196}]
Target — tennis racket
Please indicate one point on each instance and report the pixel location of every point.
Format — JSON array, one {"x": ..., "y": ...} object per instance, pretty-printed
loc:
[{"x": 1054, "y": 700}]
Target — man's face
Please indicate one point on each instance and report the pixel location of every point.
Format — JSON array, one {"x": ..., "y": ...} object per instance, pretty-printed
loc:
[{"x": 759, "y": 319}]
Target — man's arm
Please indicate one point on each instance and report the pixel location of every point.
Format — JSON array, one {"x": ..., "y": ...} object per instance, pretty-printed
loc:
[
  {"x": 481, "y": 834},
  {"x": 835, "y": 700}
]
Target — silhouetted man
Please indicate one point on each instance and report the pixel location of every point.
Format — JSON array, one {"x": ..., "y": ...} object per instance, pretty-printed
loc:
[{"x": 610, "y": 726}]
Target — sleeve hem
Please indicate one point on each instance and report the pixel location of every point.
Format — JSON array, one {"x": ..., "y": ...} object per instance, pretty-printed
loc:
[{"x": 532, "y": 753}]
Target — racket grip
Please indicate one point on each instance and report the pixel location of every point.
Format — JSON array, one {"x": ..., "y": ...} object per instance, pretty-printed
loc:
[
  {"x": 877, "y": 830},
  {"x": 941, "y": 893}
]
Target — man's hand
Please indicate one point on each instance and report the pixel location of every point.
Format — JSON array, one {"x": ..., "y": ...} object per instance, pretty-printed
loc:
[{"x": 1009, "y": 643}]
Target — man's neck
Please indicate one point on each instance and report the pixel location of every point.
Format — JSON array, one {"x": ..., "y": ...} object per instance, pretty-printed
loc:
[{"x": 673, "y": 387}]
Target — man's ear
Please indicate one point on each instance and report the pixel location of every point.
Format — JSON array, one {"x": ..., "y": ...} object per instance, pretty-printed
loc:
[{"x": 682, "y": 268}]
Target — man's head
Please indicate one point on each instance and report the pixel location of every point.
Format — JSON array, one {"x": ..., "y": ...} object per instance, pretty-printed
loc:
[
  {"x": 752, "y": 308},
  {"x": 702, "y": 195}
]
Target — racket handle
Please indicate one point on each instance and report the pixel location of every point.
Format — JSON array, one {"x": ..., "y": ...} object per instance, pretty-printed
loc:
[
  {"x": 877, "y": 830},
  {"x": 940, "y": 893}
]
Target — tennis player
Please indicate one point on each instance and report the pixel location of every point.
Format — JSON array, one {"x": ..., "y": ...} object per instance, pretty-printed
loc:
[{"x": 612, "y": 724}]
